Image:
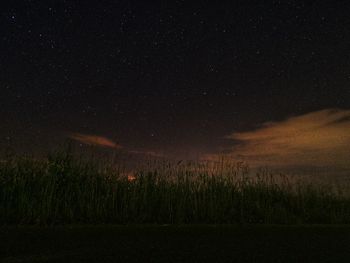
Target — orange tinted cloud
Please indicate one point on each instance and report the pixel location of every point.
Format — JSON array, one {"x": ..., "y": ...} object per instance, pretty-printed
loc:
[
  {"x": 94, "y": 140},
  {"x": 320, "y": 138}
]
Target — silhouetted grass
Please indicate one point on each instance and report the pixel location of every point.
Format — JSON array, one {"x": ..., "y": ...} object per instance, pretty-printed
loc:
[{"x": 63, "y": 189}]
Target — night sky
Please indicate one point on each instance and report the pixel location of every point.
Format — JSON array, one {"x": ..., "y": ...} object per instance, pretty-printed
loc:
[{"x": 177, "y": 78}]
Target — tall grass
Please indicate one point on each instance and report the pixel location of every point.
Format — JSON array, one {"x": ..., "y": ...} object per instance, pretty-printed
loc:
[{"x": 63, "y": 189}]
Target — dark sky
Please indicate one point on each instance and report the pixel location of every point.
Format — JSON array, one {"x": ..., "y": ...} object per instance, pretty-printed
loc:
[{"x": 171, "y": 76}]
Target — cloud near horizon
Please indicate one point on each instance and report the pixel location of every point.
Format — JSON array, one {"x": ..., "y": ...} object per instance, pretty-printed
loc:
[
  {"x": 102, "y": 141},
  {"x": 94, "y": 140},
  {"x": 316, "y": 139}
]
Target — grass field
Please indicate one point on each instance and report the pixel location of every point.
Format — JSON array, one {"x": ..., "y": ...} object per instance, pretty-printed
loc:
[
  {"x": 63, "y": 189},
  {"x": 165, "y": 212},
  {"x": 175, "y": 244}
]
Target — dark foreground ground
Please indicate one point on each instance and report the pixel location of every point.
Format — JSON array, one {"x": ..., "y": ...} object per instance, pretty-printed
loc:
[{"x": 175, "y": 244}]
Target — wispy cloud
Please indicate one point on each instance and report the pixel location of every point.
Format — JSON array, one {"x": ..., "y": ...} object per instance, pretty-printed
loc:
[
  {"x": 94, "y": 140},
  {"x": 320, "y": 138}
]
